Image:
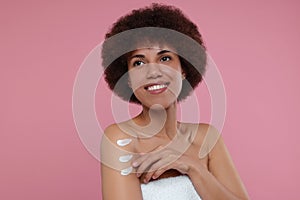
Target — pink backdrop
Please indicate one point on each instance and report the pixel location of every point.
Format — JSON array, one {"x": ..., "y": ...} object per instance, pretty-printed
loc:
[{"x": 254, "y": 43}]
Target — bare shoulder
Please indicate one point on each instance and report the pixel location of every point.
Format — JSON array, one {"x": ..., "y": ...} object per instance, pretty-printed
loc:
[
  {"x": 208, "y": 138},
  {"x": 119, "y": 135},
  {"x": 116, "y": 171},
  {"x": 114, "y": 144},
  {"x": 114, "y": 132},
  {"x": 201, "y": 128},
  {"x": 220, "y": 164},
  {"x": 203, "y": 134}
]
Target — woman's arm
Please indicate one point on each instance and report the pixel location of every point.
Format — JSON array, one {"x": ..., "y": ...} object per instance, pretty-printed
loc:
[
  {"x": 116, "y": 186},
  {"x": 221, "y": 180}
]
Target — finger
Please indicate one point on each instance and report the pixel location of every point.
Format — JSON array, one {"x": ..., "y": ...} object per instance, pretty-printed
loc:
[
  {"x": 144, "y": 162},
  {"x": 161, "y": 166},
  {"x": 148, "y": 176},
  {"x": 162, "y": 163},
  {"x": 143, "y": 156},
  {"x": 155, "y": 160},
  {"x": 147, "y": 163},
  {"x": 136, "y": 162},
  {"x": 160, "y": 171}
]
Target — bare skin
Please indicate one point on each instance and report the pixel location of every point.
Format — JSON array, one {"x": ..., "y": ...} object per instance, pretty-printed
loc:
[{"x": 171, "y": 150}]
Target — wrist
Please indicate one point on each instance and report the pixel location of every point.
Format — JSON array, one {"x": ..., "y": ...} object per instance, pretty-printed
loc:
[{"x": 195, "y": 168}]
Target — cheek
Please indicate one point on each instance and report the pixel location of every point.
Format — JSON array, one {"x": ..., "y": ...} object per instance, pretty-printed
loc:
[
  {"x": 175, "y": 77},
  {"x": 136, "y": 79},
  {"x": 176, "y": 85}
]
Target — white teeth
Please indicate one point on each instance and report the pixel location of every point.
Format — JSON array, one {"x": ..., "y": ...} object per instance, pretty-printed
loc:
[{"x": 156, "y": 87}]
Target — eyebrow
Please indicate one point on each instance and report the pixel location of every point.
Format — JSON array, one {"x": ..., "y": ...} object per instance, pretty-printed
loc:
[
  {"x": 142, "y": 56},
  {"x": 136, "y": 56},
  {"x": 163, "y": 51}
]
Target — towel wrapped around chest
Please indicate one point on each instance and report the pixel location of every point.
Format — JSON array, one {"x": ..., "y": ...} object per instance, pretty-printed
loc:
[{"x": 172, "y": 188}]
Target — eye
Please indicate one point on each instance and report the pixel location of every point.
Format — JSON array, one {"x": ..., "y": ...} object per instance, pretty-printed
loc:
[
  {"x": 138, "y": 63},
  {"x": 165, "y": 58}
]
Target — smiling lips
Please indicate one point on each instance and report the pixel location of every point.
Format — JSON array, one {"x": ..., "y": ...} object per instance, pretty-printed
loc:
[{"x": 156, "y": 88}]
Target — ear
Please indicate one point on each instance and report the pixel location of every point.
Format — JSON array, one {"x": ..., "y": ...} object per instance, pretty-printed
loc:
[{"x": 183, "y": 75}]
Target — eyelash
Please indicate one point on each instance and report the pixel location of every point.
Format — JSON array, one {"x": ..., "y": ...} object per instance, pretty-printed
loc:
[
  {"x": 138, "y": 62},
  {"x": 169, "y": 58},
  {"x": 135, "y": 63}
]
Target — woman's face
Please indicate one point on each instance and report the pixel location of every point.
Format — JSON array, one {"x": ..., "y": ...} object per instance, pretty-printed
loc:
[{"x": 155, "y": 75}]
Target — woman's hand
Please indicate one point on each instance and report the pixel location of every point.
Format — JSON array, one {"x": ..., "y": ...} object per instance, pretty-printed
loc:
[{"x": 155, "y": 163}]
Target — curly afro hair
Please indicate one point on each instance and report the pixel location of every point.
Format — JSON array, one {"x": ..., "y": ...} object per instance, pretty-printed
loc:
[{"x": 160, "y": 16}]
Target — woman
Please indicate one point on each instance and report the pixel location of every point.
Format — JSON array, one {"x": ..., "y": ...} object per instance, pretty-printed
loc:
[{"x": 153, "y": 155}]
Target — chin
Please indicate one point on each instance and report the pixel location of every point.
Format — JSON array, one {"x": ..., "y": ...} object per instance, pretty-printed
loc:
[
  {"x": 159, "y": 105},
  {"x": 156, "y": 102}
]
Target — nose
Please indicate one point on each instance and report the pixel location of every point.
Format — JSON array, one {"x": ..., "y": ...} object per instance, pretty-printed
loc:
[{"x": 153, "y": 71}]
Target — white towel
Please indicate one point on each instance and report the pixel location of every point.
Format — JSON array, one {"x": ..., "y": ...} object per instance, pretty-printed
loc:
[{"x": 172, "y": 188}]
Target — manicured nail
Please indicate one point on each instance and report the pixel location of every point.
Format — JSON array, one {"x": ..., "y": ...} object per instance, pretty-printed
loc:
[{"x": 135, "y": 164}]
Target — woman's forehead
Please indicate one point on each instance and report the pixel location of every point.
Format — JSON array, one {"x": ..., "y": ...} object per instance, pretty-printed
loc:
[{"x": 156, "y": 47}]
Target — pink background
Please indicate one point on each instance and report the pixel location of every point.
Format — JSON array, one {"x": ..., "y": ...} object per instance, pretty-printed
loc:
[{"x": 254, "y": 43}]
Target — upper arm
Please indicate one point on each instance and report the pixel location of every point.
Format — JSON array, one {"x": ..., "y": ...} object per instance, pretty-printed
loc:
[
  {"x": 116, "y": 186},
  {"x": 222, "y": 167}
]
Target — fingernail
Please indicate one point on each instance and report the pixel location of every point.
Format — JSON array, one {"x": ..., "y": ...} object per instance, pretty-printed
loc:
[
  {"x": 145, "y": 180},
  {"x": 138, "y": 174},
  {"x": 134, "y": 164}
]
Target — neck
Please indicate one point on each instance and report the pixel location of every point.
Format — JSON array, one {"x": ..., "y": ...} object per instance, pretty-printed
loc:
[{"x": 159, "y": 121}]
